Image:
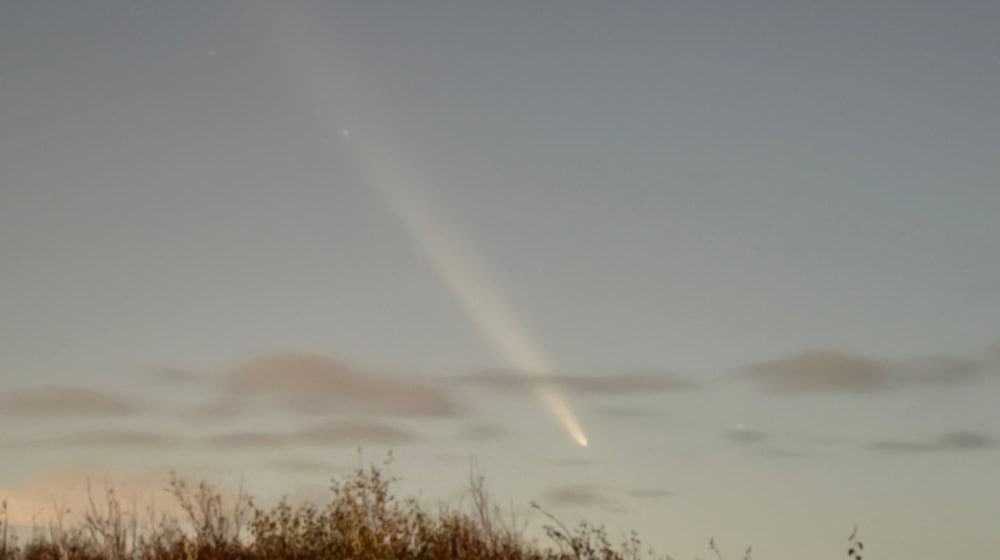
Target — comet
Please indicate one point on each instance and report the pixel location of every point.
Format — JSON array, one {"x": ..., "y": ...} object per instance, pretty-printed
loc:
[
  {"x": 465, "y": 275},
  {"x": 398, "y": 184}
]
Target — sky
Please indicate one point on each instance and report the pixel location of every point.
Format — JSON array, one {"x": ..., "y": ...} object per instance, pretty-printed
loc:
[{"x": 749, "y": 249}]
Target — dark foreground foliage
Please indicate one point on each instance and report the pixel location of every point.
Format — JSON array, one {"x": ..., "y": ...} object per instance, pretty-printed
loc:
[{"x": 363, "y": 520}]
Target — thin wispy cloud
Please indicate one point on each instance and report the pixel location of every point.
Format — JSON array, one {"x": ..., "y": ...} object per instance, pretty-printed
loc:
[
  {"x": 993, "y": 357},
  {"x": 334, "y": 433},
  {"x": 249, "y": 439},
  {"x": 759, "y": 441},
  {"x": 218, "y": 408},
  {"x": 624, "y": 412},
  {"x": 355, "y": 432},
  {"x": 484, "y": 432},
  {"x": 949, "y": 441},
  {"x": 305, "y": 384},
  {"x": 52, "y": 401},
  {"x": 317, "y": 385},
  {"x": 836, "y": 372},
  {"x": 579, "y": 496},
  {"x": 110, "y": 438},
  {"x": 589, "y": 496},
  {"x": 939, "y": 370},
  {"x": 744, "y": 435},
  {"x": 632, "y": 383}
]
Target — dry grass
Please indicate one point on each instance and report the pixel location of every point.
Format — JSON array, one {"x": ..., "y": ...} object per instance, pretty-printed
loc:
[{"x": 362, "y": 520}]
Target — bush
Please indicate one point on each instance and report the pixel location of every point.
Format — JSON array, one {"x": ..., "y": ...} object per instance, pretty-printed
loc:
[{"x": 363, "y": 520}]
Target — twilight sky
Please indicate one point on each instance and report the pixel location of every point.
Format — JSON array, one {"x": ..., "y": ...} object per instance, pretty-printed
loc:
[{"x": 757, "y": 245}]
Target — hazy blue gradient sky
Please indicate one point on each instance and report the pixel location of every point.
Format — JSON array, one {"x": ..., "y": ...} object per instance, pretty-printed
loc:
[{"x": 760, "y": 241}]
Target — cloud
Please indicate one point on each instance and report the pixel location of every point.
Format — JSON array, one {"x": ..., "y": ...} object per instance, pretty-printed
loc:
[
  {"x": 317, "y": 384},
  {"x": 65, "y": 401},
  {"x": 625, "y": 384},
  {"x": 484, "y": 432},
  {"x": 634, "y": 383},
  {"x": 781, "y": 453},
  {"x": 821, "y": 371},
  {"x": 746, "y": 436},
  {"x": 626, "y": 412},
  {"x": 110, "y": 438},
  {"x": 227, "y": 407},
  {"x": 335, "y": 433},
  {"x": 993, "y": 356},
  {"x": 579, "y": 495},
  {"x": 249, "y": 439},
  {"x": 938, "y": 370},
  {"x": 327, "y": 434},
  {"x": 835, "y": 372},
  {"x": 762, "y": 442},
  {"x": 966, "y": 440},
  {"x": 950, "y": 441},
  {"x": 584, "y": 496},
  {"x": 341, "y": 433}
]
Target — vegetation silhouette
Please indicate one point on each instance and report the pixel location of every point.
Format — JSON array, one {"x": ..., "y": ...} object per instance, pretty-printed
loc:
[{"x": 362, "y": 520}]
